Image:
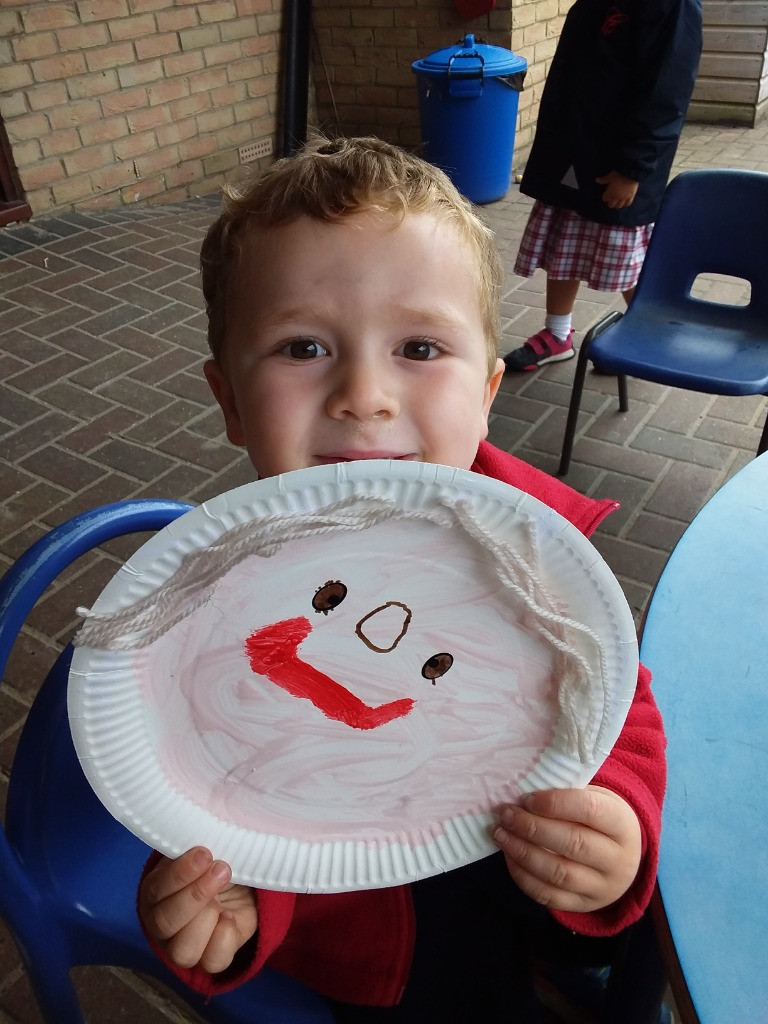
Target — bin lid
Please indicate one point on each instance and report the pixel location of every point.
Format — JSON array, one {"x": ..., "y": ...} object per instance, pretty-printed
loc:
[{"x": 468, "y": 57}]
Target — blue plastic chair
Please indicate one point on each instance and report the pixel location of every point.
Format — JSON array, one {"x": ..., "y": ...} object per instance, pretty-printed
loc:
[
  {"x": 710, "y": 222},
  {"x": 68, "y": 870}
]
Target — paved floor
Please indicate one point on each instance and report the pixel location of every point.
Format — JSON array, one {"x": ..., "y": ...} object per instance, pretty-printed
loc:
[{"x": 102, "y": 398}]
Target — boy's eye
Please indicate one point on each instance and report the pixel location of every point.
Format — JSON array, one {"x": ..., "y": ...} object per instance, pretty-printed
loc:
[
  {"x": 329, "y": 596},
  {"x": 304, "y": 348},
  {"x": 436, "y": 666},
  {"x": 420, "y": 348}
]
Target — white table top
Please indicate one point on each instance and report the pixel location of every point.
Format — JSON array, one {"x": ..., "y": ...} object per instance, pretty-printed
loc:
[{"x": 706, "y": 643}]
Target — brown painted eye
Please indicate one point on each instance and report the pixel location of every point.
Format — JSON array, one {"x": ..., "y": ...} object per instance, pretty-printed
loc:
[
  {"x": 329, "y": 596},
  {"x": 436, "y": 666}
]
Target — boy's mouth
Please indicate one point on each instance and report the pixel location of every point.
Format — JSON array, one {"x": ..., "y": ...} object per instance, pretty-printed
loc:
[
  {"x": 357, "y": 456},
  {"x": 273, "y": 652}
]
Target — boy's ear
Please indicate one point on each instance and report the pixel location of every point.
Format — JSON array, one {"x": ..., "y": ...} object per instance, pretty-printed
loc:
[
  {"x": 493, "y": 386},
  {"x": 225, "y": 396}
]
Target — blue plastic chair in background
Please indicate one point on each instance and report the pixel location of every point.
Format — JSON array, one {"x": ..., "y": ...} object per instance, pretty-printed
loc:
[
  {"x": 710, "y": 222},
  {"x": 68, "y": 870}
]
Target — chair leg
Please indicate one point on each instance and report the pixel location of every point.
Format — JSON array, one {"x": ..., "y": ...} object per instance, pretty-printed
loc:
[
  {"x": 763, "y": 446},
  {"x": 578, "y": 387},
  {"x": 55, "y": 994},
  {"x": 623, "y": 397},
  {"x": 573, "y": 408}
]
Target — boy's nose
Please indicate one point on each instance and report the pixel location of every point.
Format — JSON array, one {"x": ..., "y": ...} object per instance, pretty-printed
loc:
[
  {"x": 363, "y": 394},
  {"x": 383, "y": 628}
]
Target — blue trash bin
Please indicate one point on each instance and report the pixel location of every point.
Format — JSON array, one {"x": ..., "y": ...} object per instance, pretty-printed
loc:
[{"x": 468, "y": 96}]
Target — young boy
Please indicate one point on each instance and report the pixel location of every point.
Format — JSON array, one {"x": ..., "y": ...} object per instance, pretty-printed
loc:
[{"x": 353, "y": 305}]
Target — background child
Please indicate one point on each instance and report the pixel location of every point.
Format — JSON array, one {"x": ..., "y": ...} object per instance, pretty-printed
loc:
[
  {"x": 353, "y": 304},
  {"x": 611, "y": 114}
]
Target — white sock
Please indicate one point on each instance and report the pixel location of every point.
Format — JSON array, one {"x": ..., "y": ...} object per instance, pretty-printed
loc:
[{"x": 560, "y": 326}]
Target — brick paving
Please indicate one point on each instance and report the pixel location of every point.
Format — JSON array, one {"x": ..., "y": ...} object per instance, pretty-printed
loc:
[{"x": 102, "y": 398}]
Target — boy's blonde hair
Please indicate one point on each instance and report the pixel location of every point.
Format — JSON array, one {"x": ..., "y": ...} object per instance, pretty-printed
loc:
[{"x": 329, "y": 180}]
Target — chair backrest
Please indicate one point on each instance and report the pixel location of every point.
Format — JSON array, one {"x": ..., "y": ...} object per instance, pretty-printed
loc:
[
  {"x": 710, "y": 222},
  {"x": 68, "y": 870}
]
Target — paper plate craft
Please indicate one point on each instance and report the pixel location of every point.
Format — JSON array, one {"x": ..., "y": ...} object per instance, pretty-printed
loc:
[{"x": 333, "y": 678}]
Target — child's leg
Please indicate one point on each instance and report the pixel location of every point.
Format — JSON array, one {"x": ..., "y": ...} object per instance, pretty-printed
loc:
[
  {"x": 561, "y": 297},
  {"x": 555, "y": 342}
]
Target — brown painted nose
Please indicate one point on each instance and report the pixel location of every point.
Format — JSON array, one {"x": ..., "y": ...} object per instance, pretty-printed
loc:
[{"x": 382, "y": 629}]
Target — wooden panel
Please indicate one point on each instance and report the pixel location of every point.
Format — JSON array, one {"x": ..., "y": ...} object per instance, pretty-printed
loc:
[
  {"x": 734, "y": 40},
  {"x": 718, "y": 90},
  {"x": 722, "y": 65},
  {"x": 732, "y": 12}
]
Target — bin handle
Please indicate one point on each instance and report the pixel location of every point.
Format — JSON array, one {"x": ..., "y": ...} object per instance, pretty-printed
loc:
[{"x": 464, "y": 54}]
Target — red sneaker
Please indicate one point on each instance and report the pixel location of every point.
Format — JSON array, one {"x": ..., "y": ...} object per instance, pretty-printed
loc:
[{"x": 542, "y": 348}]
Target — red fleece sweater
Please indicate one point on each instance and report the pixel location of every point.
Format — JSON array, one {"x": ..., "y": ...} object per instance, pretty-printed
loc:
[{"x": 357, "y": 947}]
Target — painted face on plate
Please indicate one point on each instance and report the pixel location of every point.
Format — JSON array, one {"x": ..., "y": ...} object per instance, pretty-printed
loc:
[{"x": 355, "y": 685}]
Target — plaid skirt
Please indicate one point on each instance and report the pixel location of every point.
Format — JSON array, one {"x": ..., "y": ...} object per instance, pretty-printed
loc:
[{"x": 607, "y": 256}]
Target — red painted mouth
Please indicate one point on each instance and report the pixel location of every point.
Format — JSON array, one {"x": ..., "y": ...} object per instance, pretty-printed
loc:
[{"x": 273, "y": 652}]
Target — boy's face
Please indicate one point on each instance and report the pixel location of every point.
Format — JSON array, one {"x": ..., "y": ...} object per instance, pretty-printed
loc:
[{"x": 361, "y": 339}]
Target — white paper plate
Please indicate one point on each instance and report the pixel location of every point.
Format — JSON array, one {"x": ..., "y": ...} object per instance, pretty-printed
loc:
[{"x": 345, "y": 760}]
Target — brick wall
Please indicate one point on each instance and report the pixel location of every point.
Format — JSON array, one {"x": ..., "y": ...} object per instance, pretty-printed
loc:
[
  {"x": 114, "y": 101},
  {"x": 364, "y": 50}
]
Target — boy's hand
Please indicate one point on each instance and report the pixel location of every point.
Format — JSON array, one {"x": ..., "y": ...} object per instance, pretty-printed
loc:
[
  {"x": 191, "y": 908},
  {"x": 571, "y": 849},
  {"x": 619, "y": 191}
]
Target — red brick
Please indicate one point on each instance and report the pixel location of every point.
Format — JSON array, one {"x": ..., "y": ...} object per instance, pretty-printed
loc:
[
  {"x": 106, "y": 130},
  {"x": 228, "y": 95},
  {"x": 142, "y": 120},
  {"x": 250, "y": 109},
  {"x": 56, "y": 143},
  {"x": 174, "y": 20},
  {"x": 115, "y": 176},
  {"x": 268, "y": 23},
  {"x": 98, "y": 83},
  {"x": 72, "y": 188},
  {"x": 164, "y": 92},
  {"x": 242, "y": 28},
  {"x": 49, "y": 16},
  {"x": 140, "y": 74},
  {"x": 30, "y": 47},
  {"x": 190, "y": 105},
  {"x": 88, "y": 159},
  {"x": 122, "y": 102},
  {"x": 245, "y": 69},
  {"x": 157, "y": 161},
  {"x": 26, "y": 153},
  {"x": 102, "y": 10},
  {"x": 135, "y": 145},
  {"x": 73, "y": 115},
  {"x": 131, "y": 28},
  {"x": 215, "y": 119},
  {"x": 207, "y": 80},
  {"x": 157, "y": 45},
  {"x": 143, "y": 189},
  {"x": 225, "y": 53},
  {"x": 197, "y": 147},
  {"x": 184, "y": 173},
  {"x": 29, "y": 126},
  {"x": 63, "y": 66},
  {"x": 44, "y": 173},
  {"x": 116, "y": 55},
  {"x": 183, "y": 63},
  {"x": 141, "y": 6},
  {"x": 82, "y": 36},
  {"x": 176, "y": 132},
  {"x": 197, "y": 38}
]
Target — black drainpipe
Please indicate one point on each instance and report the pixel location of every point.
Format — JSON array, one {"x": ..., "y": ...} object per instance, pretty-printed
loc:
[{"x": 297, "y": 21}]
